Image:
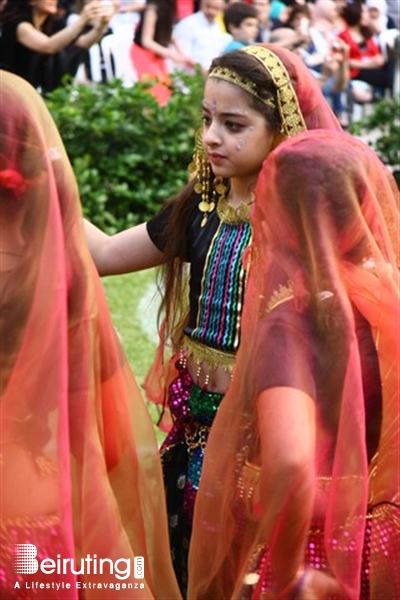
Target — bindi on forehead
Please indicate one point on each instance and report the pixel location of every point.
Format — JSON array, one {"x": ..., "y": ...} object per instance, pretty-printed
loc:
[
  {"x": 227, "y": 93},
  {"x": 223, "y": 110},
  {"x": 210, "y": 106}
]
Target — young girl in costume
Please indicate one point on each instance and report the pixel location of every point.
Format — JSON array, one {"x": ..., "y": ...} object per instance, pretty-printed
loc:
[
  {"x": 81, "y": 478},
  {"x": 301, "y": 498},
  {"x": 253, "y": 99}
]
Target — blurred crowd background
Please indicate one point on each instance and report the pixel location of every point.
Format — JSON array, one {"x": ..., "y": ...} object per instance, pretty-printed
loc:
[{"x": 351, "y": 46}]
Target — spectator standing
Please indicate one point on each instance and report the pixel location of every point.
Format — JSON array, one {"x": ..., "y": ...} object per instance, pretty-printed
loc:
[
  {"x": 32, "y": 38},
  {"x": 241, "y": 21},
  {"x": 154, "y": 44},
  {"x": 200, "y": 35}
]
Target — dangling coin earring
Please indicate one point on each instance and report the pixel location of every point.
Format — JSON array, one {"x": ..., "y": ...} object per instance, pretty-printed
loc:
[
  {"x": 202, "y": 187},
  {"x": 200, "y": 167}
]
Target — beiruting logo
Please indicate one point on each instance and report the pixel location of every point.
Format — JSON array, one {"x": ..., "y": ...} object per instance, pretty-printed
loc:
[{"x": 26, "y": 563}]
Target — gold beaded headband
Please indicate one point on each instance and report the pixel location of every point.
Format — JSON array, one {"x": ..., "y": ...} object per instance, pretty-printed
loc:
[
  {"x": 242, "y": 82},
  {"x": 289, "y": 108}
]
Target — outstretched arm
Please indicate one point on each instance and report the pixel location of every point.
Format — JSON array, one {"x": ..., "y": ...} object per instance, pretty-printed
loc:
[
  {"x": 287, "y": 435},
  {"x": 125, "y": 252},
  {"x": 34, "y": 39}
]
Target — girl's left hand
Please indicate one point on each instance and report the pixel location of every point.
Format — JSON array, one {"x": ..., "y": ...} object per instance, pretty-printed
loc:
[{"x": 318, "y": 585}]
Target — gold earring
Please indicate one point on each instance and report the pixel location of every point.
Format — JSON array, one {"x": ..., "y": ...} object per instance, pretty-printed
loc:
[
  {"x": 202, "y": 187},
  {"x": 200, "y": 167}
]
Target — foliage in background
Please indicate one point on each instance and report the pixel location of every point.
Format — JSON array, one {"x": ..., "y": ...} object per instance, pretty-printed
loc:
[
  {"x": 385, "y": 122},
  {"x": 128, "y": 154}
]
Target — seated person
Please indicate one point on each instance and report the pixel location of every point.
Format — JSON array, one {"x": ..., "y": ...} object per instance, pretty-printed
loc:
[
  {"x": 241, "y": 22},
  {"x": 33, "y": 38},
  {"x": 294, "y": 33},
  {"x": 366, "y": 61}
]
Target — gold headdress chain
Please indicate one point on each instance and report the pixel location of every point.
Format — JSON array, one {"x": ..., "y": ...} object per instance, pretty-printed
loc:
[{"x": 288, "y": 104}]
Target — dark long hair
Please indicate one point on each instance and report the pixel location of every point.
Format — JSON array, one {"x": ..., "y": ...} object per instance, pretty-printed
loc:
[
  {"x": 352, "y": 13},
  {"x": 166, "y": 16},
  {"x": 14, "y": 9}
]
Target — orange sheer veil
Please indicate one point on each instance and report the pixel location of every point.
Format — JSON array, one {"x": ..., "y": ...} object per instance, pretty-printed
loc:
[
  {"x": 326, "y": 221},
  {"x": 80, "y": 467}
]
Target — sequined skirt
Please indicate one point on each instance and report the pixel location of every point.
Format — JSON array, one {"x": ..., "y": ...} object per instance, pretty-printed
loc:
[
  {"x": 380, "y": 569},
  {"x": 193, "y": 411},
  {"x": 42, "y": 532}
]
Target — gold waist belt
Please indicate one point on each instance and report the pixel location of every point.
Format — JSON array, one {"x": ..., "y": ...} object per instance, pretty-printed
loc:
[{"x": 215, "y": 358}]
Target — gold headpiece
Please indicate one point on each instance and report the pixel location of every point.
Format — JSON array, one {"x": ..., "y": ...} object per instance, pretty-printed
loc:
[
  {"x": 289, "y": 108},
  {"x": 242, "y": 82}
]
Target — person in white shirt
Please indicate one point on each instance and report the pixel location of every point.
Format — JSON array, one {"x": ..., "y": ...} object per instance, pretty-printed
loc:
[{"x": 200, "y": 36}]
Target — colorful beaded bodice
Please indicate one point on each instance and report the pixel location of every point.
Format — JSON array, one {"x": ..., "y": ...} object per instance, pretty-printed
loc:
[{"x": 223, "y": 286}]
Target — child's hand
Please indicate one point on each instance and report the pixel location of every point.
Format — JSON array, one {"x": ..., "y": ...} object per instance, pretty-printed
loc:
[{"x": 319, "y": 585}]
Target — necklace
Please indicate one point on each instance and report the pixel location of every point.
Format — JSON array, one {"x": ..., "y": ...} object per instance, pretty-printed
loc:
[{"x": 234, "y": 215}]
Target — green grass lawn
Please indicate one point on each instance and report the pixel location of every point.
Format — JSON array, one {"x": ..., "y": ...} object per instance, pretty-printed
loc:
[{"x": 133, "y": 303}]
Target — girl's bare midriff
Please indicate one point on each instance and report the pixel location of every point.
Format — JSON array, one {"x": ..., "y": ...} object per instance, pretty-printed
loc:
[{"x": 207, "y": 377}]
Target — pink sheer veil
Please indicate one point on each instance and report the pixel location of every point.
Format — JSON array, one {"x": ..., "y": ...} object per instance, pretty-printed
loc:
[
  {"x": 80, "y": 467},
  {"x": 326, "y": 235}
]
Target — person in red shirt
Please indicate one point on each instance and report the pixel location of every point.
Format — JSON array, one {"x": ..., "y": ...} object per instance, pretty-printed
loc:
[{"x": 366, "y": 61}]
